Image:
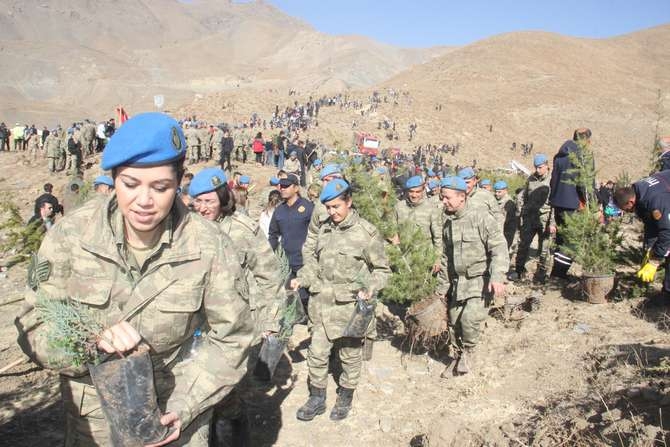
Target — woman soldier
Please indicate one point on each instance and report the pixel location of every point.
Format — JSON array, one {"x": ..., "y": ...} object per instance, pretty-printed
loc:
[
  {"x": 349, "y": 262},
  {"x": 150, "y": 272}
]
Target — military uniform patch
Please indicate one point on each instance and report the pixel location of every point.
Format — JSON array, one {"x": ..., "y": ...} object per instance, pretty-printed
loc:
[
  {"x": 216, "y": 181},
  {"x": 38, "y": 271},
  {"x": 656, "y": 214},
  {"x": 301, "y": 209},
  {"x": 176, "y": 141}
]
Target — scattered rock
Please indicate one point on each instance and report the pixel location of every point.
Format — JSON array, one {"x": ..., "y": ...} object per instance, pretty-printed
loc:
[
  {"x": 582, "y": 328},
  {"x": 385, "y": 424},
  {"x": 581, "y": 424},
  {"x": 613, "y": 415}
]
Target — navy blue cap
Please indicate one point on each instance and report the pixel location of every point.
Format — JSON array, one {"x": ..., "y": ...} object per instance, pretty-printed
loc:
[
  {"x": 333, "y": 190},
  {"x": 147, "y": 139},
  {"x": 103, "y": 180},
  {"x": 500, "y": 184},
  {"x": 414, "y": 182},
  {"x": 453, "y": 182},
  {"x": 207, "y": 180},
  {"x": 290, "y": 179},
  {"x": 466, "y": 173}
]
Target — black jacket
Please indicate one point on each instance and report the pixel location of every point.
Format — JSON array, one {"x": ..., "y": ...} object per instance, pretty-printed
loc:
[
  {"x": 652, "y": 205},
  {"x": 563, "y": 193}
]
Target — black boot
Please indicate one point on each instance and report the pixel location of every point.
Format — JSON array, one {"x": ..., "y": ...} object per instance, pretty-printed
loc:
[
  {"x": 315, "y": 405},
  {"x": 342, "y": 404},
  {"x": 561, "y": 266}
]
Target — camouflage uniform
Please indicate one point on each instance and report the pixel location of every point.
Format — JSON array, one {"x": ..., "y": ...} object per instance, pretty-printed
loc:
[
  {"x": 193, "y": 142},
  {"x": 188, "y": 282},
  {"x": 510, "y": 222},
  {"x": 483, "y": 198},
  {"x": 292, "y": 166},
  {"x": 52, "y": 149},
  {"x": 426, "y": 216},
  {"x": 342, "y": 253},
  {"x": 87, "y": 138},
  {"x": 33, "y": 146},
  {"x": 258, "y": 259},
  {"x": 205, "y": 140},
  {"x": 475, "y": 254},
  {"x": 536, "y": 217},
  {"x": 63, "y": 152}
]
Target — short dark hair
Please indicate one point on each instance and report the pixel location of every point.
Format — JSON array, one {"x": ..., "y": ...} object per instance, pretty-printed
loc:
[
  {"x": 48, "y": 187},
  {"x": 581, "y": 134},
  {"x": 623, "y": 194}
]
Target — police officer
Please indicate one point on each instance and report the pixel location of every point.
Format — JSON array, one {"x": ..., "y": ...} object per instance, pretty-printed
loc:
[
  {"x": 348, "y": 248},
  {"x": 565, "y": 196},
  {"x": 419, "y": 210},
  {"x": 649, "y": 199},
  {"x": 476, "y": 259},
  {"x": 536, "y": 219},
  {"x": 150, "y": 272}
]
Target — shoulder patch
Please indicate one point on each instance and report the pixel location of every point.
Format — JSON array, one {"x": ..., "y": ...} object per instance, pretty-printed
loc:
[{"x": 656, "y": 214}]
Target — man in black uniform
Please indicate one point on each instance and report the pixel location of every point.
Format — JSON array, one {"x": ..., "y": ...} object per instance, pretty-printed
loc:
[
  {"x": 565, "y": 196},
  {"x": 649, "y": 198}
]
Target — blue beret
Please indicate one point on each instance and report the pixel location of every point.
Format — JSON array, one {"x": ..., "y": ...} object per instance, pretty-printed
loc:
[
  {"x": 433, "y": 184},
  {"x": 453, "y": 182},
  {"x": 373, "y": 158},
  {"x": 382, "y": 170},
  {"x": 147, "y": 139},
  {"x": 414, "y": 182},
  {"x": 466, "y": 173},
  {"x": 500, "y": 184},
  {"x": 431, "y": 173},
  {"x": 330, "y": 170},
  {"x": 484, "y": 182},
  {"x": 244, "y": 180},
  {"x": 540, "y": 159},
  {"x": 333, "y": 190},
  {"x": 207, "y": 180},
  {"x": 274, "y": 181},
  {"x": 103, "y": 180},
  {"x": 317, "y": 162},
  {"x": 293, "y": 153}
]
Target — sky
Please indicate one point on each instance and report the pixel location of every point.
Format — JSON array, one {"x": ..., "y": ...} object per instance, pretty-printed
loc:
[{"x": 426, "y": 23}]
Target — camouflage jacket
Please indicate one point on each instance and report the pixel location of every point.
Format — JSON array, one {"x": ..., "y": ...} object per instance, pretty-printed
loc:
[
  {"x": 262, "y": 267},
  {"x": 483, "y": 198},
  {"x": 205, "y": 137},
  {"x": 347, "y": 258},
  {"x": 426, "y": 215},
  {"x": 533, "y": 202},
  {"x": 292, "y": 166},
  {"x": 319, "y": 217},
  {"x": 192, "y": 280},
  {"x": 475, "y": 252},
  {"x": 52, "y": 146},
  {"x": 192, "y": 137}
]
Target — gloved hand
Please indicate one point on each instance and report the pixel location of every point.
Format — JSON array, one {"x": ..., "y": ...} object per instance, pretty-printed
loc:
[
  {"x": 647, "y": 255},
  {"x": 647, "y": 272}
]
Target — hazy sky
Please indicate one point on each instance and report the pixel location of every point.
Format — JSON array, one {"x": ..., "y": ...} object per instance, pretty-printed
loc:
[{"x": 423, "y": 23}]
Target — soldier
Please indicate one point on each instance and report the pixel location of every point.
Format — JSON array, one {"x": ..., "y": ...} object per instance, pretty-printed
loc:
[
  {"x": 292, "y": 165},
  {"x": 649, "y": 199},
  {"x": 536, "y": 219},
  {"x": 475, "y": 258},
  {"x": 87, "y": 137},
  {"x": 478, "y": 196},
  {"x": 419, "y": 210},
  {"x": 347, "y": 246},
  {"x": 193, "y": 142},
  {"x": 103, "y": 184},
  {"x": 485, "y": 184},
  {"x": 508, "y": 207},
  {"x": 315, "y": 173},
  {"x": 74, "y": 149},
  {"x": 149, "y": 271},
  {"x": 33, "y": 145},
  {"x": 52, "y": 149},
  {"x": 205, "y": 138}
]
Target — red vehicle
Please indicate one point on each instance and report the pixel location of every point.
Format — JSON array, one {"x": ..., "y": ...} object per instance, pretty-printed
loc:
[{"x": 367, "y": 143}]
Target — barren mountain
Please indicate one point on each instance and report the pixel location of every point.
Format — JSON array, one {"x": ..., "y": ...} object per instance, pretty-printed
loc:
[{"x": 68, "y": 58}]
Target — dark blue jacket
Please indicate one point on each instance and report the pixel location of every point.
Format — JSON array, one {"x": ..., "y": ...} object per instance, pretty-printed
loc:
[
  {"x": 290, "y": 223},
  {"x": 563, "y": 193},
  {"x": 652, "y": 205}
]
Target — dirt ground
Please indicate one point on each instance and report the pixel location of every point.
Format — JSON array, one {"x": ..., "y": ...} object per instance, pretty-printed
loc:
[{"x": 569, "y": 373}]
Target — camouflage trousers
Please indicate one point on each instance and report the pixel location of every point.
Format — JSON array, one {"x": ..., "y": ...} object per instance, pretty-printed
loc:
[
  {"x": 53, "y": 165},
  {"x": 526, "y": 235},
  {"x": 193, "y": 153},
  {"x": 85, "y": 423},
  {"x": 465, "y": 320},
  {"x": 349, "y": 351}
]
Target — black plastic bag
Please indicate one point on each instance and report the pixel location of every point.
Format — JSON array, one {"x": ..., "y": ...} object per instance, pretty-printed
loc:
[
  {"x": 360, "y": 319},
  {"x": 271, "y": 352}
]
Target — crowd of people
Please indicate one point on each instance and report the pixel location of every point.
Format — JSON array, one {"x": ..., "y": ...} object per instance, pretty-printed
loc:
[{"x": 191, "y": 253}]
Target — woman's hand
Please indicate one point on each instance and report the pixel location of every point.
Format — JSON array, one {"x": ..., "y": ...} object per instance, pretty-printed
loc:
[
  {"x": 173, "y": 422},
  {"x": 121, "y": 337}
]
